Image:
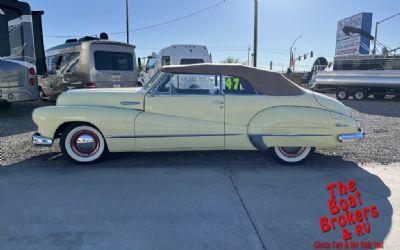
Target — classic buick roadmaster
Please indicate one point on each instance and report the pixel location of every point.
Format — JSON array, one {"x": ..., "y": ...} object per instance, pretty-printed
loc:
[{"x": 197, "y": 107}]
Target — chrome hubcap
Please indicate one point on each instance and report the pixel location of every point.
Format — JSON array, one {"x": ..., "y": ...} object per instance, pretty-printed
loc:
[
  {"x": 85, "y": 143},
  {"x": 292, "y": 152}
]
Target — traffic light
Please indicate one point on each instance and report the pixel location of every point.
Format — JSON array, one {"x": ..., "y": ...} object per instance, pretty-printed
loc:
[
  {"x": 299, "y": 58},
  {"x": 312, "y": 54},
  {"x": 305, "y": 56}
]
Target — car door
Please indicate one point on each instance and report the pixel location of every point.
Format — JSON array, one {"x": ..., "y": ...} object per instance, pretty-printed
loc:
[
  {"x": 183, "y": 112},
  {"x": 242, "y": 103}
]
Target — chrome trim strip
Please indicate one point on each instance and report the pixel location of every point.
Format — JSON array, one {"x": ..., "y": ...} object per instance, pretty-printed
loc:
[
  {"x": 166, "y": 136},
  {"x": 341, "y": 125},
  {"x": 351, "y": 137},
  {"x": 39, "y": 140},
  {"x": 126, "y": 103},
  {"x": 291, "y": 135}
]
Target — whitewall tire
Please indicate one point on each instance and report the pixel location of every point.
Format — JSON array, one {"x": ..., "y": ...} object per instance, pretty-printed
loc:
[
  {"x": 83, "y": 144},
  {"x": 292, "y": 155}
]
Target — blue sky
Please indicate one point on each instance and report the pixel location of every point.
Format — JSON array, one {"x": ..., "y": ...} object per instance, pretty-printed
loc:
[{"x": 227, "y": 29}]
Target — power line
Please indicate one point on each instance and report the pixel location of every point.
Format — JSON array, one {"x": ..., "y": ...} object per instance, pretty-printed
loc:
[{"x": 155, "y": 25}]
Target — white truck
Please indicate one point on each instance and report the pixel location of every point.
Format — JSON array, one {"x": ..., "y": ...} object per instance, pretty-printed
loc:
[{"x": 173, "y": 55}]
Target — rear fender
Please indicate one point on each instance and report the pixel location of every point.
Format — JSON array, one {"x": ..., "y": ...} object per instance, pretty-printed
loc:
[{"x": 298, "y": 126}]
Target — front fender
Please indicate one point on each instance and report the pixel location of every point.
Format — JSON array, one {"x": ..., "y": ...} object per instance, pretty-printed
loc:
[
  {"x": 107, "y": 119},
  {"x": 299, "y": 126}
]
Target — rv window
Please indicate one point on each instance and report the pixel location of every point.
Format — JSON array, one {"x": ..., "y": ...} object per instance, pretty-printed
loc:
[
  {"x": 107, "y": 60},
  {"x": 191, "y": 61},
  {"x": 52, "y": 63},
  {"x": 5, "y": 49},
  {"x": 166, "y": 60},
  {"x": 67, "y": 59}
]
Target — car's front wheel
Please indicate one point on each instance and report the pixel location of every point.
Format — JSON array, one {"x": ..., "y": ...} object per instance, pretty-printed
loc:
[
  {"x": 292, "y": 155},
  {"x": 83, "y": 144}
]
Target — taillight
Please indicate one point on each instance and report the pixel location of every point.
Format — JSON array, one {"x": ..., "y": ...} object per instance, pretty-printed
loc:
[
  {"x": 91, "y": 85},
  {"x": 32, "y": 82},
  {"x": 32, "y": 71}
]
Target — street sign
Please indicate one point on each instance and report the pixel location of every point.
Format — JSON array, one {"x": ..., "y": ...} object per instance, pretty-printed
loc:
[{"x": 355, "y": 44}]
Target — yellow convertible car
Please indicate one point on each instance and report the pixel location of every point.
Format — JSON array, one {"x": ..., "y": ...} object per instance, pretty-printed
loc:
[{"x": 197, "y": 107}]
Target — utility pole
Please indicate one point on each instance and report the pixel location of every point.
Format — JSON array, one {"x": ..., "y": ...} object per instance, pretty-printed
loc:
[
  {"x": 127, "y": 20},
  {"x": 248, "y": 56},
  {"x": 291, "y": 51},
  {"x": 255, "y": 32},
  {"x": 376, "y": 30}
]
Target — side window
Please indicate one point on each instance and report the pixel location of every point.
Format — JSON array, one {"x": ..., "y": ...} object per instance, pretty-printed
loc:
[
  {"x": 74, "y": 66},
  {"x": 166, "y": 60},
  {"x": 52, "y": 63},
  {"x": 191, "y": 61},
  {"x": 188, "y": 84},
  {"x": 108, "y": 60},
  {"x": 236, "y": 85},
  {"x": 67, "y": 59}
]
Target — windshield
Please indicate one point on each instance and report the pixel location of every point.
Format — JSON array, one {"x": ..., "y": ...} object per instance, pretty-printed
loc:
[
  {"x": 151, "y": 63},
  {"x": 15, "y": 30}
]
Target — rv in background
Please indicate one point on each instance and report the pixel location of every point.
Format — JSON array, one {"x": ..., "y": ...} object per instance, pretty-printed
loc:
[
  {"x": 21, "y": 52},
  {"x": 174, "y": 55},
  {"x": 88, "y": 63}
]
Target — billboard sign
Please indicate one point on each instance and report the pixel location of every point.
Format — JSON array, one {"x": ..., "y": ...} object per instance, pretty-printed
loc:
[{"x": 355, "y": 44}]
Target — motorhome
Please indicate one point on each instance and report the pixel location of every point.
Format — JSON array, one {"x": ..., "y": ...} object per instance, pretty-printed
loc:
[
  {"x": 88, "y": 62},
  {"x": 174, "y": 55},
  {"x": 21, "y": 52}
]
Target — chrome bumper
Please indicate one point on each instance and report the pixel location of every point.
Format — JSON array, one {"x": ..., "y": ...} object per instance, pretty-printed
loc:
[
  {"x": 39, "y": 140},
  {"x": 351, "y": 137}
]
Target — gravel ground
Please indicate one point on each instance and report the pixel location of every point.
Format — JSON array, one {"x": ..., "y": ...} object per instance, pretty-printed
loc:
[{"x": 380, "y": 119}]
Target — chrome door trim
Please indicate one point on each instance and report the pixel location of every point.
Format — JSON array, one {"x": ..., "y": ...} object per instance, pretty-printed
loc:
[
  {"x": 290, "y": 135},
  {"x": 166, "y": 136}
]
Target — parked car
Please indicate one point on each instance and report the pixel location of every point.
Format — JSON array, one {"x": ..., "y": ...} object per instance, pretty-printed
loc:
[
  {"x": 198, "y": 107},
  {"x": 88, "y": 63}
]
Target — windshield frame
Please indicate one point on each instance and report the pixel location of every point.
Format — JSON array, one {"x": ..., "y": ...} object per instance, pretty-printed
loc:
[{"x": 153, "y": 81}]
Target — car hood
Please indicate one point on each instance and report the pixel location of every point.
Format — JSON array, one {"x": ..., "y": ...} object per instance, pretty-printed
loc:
[
  {"x": 116, "y": 97},
  {"x": 329, "y": 103}
]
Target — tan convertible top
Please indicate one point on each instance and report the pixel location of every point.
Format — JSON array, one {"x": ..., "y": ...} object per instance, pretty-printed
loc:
[{"x": 263, "y": 81}]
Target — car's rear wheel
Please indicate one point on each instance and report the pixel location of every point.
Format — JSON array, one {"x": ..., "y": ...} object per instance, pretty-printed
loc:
[
  {"x": 83, "y": 144},
  {"x": 292, "y": 155}
]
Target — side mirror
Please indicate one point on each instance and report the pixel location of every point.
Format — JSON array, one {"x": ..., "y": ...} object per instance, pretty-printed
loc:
[{"x": 5, "y": 49}]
